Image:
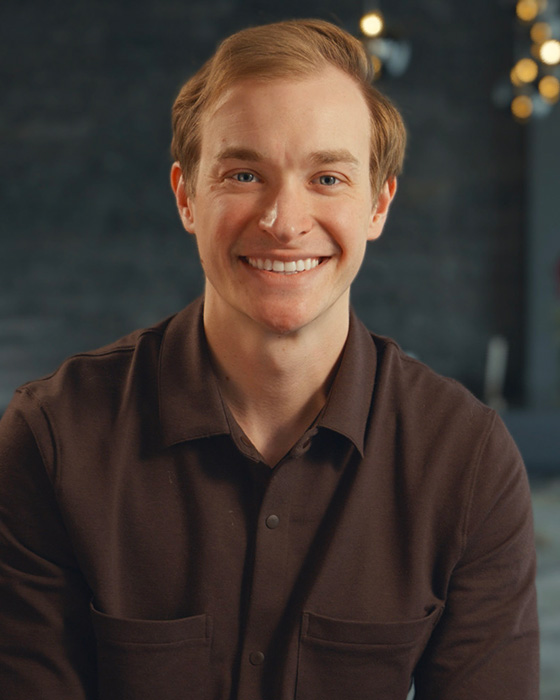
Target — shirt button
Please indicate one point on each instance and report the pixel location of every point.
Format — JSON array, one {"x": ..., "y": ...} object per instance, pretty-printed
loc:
[
  {"x": 256, "y": 658},
  {"x": 272, "y": 522},
  {"x": 245, "y": 440},
  {"x": 306, "y": 444}
]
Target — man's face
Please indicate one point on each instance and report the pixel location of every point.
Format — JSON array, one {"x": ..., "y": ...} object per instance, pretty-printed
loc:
[{"x": 283, "y": 207}]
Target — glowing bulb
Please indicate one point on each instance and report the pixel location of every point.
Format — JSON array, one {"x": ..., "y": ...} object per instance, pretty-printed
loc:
[
  {"x": 522, "y": 107},
  {"x": 549, "y": 87},
  {"x": 536, "y": 51},
  {"x": 377, "y": 66},
  {"x": 540, "y": 32},
  {"x": 372, "y": 24},
  {"x": 550, "y": 52},
  {"x": 527, "y": 10},
  {"x": 514, "y": 78},
  {"x": 525, "y": 70}
]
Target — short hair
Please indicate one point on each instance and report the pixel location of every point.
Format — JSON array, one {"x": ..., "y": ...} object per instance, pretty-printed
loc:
[{"x": 290, "y": 49}]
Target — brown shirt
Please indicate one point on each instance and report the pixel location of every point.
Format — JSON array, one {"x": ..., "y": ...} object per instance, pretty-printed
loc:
[{"x": 147, "y": 552}]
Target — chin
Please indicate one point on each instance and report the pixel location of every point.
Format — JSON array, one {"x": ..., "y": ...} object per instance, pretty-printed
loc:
[
  {"x": 282, "y": 327},
  {"x": 285, "y": 323},
  {"x": 295, "y": 315}
]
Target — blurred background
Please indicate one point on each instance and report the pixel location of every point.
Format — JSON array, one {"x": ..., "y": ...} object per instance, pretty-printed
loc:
[{"x": 466, "y": 275}]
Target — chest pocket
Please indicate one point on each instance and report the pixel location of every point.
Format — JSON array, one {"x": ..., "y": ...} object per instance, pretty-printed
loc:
[
  {"x": 149, "y": 659},
  {"x": 359, "y": 660}
]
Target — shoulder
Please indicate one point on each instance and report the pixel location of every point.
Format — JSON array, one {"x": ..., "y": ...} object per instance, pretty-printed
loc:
[
  {"x": 452, "y": 452},
  {"x": 407, "y": 384},
  {"x": 440, "y": 425},
  {"x": 86, "y": 397},
  {"x": 103, "y": 370}
]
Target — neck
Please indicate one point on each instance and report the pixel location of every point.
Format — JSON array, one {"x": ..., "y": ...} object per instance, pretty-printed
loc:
[{"x": 274, "y": 385}]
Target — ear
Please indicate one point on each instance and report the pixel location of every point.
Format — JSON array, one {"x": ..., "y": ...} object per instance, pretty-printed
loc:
[
  {"x": 381, "y": 209},
  {"x": 184, "y": 202}
]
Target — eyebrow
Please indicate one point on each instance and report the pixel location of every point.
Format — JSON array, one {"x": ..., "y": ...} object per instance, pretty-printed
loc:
[
  {"x": 235, "y": 153},
  {"x": 337, "y": 156},
  {"x": 327, "y": 157}
]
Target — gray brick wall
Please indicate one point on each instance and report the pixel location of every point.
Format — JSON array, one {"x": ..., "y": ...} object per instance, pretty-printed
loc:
[{"x": 91, "y": 246}]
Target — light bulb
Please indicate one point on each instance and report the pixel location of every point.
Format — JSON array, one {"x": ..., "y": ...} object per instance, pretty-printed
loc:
[
  {"x": 377, "y": 66},
  {"x": 525, "y": 70},
  {"x": 549, "y": 87},
  {"x": 372, "y": 24},
  {"x": 540, "y": 32},
  {"x": 550, "y": 52},
  {"x": 522, "y": 107},
  {"x": 515, "y": 78},
  {"x": 527, "y": 10}
]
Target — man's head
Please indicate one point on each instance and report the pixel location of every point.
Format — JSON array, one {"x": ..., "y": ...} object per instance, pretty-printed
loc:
[{"x": 290, "y": 50}]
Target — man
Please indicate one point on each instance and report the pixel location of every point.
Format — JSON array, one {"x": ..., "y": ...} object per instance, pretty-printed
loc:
[{"x": 257, "y": 498}]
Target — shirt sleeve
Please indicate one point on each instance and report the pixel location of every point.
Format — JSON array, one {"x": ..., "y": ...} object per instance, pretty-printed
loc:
[
  {"x": 486, "y": 645},
  {"x": 47, "y": 648}
]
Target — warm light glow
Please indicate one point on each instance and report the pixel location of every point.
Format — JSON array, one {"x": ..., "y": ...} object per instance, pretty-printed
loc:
[
  {"x": 377, "y": 66},
  {"x": 540, "y": 32},
  {"x": 522, "y": 107},
  {"x": 525, "y": 71},
  {"x": 536, "y": 51},
  {"x": 527, "y": 10},
  {"x": 550, "y": 52},
  {"x": 549, "y": 87},
  {"x": 514, "y": 78},
  {"x": 372, "y": 24}
]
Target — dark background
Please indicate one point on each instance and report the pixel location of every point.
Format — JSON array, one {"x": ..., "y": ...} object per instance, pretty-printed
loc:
[{"x": 92, "y": 247}]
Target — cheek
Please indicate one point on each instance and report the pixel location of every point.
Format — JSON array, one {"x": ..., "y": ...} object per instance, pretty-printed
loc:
[
  {"x": 230, "y": 216},
  {"x": 350, "y": 228}
]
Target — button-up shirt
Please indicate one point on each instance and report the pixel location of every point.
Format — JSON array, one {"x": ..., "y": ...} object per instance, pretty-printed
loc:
[{"x": 147, "y": 551}]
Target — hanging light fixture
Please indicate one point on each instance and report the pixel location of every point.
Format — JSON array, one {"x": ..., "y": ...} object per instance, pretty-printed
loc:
[
  {"x": 389, "y": 53},
  {"x": 528, "y": 10},
  {"x": 549, "y": 52},
  {"x": 534, "y": 81},
  {"x": 372, "y": 24},
  {"x": 549, "y": 88}
]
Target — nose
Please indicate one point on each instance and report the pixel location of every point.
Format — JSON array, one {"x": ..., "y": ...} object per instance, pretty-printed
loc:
[{"x": 286, "y": 215}]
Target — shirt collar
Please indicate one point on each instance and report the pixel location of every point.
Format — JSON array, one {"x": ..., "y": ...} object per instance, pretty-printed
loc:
[
  {"x": 190, "y": 404},
  {"x": 349, "y": 401}
]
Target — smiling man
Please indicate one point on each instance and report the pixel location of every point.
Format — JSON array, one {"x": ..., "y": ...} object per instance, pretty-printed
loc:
[
  {"x": 258, "y": 499},
  {"x": 282, "y": 208}
]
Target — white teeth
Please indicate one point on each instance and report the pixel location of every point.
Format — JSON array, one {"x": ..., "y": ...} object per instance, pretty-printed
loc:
[
  {"x": 281, "y": 266},
  {"x": 310, "y": 263}
]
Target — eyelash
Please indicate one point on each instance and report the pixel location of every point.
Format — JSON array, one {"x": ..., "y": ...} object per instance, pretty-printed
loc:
[
  {"x": 330, "y": 177},
  {"x": 239, "y": 177}
]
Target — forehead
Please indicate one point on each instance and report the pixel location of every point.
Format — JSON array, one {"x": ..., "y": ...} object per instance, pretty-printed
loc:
[{"x": 323, "y": 109}]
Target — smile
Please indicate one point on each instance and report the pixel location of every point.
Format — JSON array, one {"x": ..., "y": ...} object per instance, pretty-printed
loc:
[{"x": 290, "y": 267}]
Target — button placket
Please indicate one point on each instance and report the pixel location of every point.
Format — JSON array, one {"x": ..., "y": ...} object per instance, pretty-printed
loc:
[
  {"x": 256, "y": 658},
  {"x": 248, "y": 449},
  {"x": 304, "y": 444},
  {"x": 268, "y": 592},
  {"x": 272, "y": 522}
]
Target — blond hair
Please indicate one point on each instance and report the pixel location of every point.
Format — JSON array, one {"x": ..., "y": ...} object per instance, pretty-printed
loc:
[{"x": 292, "y": 49}]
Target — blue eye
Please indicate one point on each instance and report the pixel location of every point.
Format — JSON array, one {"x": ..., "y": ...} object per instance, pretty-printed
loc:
[
  {"x": 328, "y": 180},
  {"x": 244, "y": 177}
]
